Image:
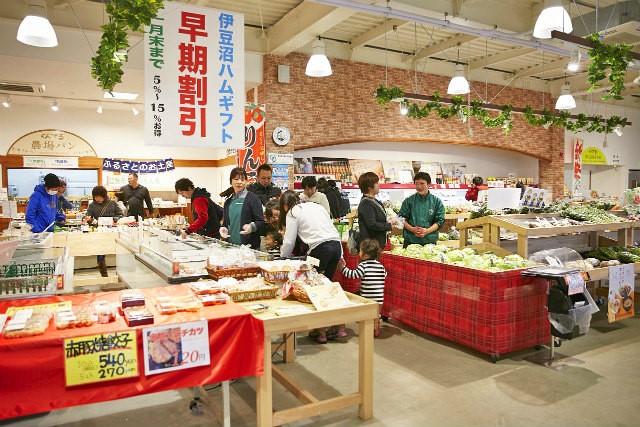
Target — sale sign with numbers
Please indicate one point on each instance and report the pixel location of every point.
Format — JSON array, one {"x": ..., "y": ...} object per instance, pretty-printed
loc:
[
  {"x": 173, "y": 347},
  {"x": 104, "y": 357}
]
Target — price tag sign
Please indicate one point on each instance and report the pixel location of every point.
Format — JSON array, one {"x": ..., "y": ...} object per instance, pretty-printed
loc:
[
  {"x": 575, "y": 282},
  {"x": 173, "y": 347},
  {"x": 52, "y": 307},
  {"x": 104, "y": 357}
]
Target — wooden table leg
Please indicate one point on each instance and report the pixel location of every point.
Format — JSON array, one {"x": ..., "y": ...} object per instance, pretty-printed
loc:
[
  {"x": 264, "y": 389},
  {"x": 365, "y": 368},
  {"x": 289, "y": 347},
  {"x": 226, "y": 406}
]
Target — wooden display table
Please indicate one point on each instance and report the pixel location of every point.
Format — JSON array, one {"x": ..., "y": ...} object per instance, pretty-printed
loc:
[
  {"x": 516, "y": 223},
  {"x": 87, "y": 244},
  {"x": 363, "y": 312}
]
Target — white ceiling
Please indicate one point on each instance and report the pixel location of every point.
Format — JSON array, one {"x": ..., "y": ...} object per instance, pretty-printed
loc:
[{"x": 503, "y": 53}]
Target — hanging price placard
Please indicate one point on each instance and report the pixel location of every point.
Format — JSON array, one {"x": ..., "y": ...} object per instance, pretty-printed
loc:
[
  {"x": 104, "y": 357},
  {"x": 575, "y": 282}
]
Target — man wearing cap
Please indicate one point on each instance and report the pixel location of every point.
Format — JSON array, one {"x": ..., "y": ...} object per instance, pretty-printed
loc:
[{"x": 42, "y": 209}]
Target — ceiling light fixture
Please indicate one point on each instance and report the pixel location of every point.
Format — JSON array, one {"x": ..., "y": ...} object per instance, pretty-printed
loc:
[
  {"x": 565, "y": 101},
  {"x": 553, "y": 17},
  {"x": 404, "y": 107},
  {"x": 54, "y": 106},
  {"x": 35, "y": 29},
  {"x": 458, "y": 84},
  {"x": 7, "y": 102},
  {"x": 135, "y": 111},
  {"x": 547, "y": 125},
  {"x": 120, "y": 95},
  {"x": 99, "y": 110},
  {"x": 318, "y": 65},
  {"x": 618, "y": 130},
  {"x": 574, "y": 62},
  {"x": 120, "y": 55}
]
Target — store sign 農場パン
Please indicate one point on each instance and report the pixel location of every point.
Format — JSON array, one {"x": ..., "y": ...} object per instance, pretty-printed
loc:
[
  {"x": 194, "y": 78},
  {"x": 51, "y": 142}
]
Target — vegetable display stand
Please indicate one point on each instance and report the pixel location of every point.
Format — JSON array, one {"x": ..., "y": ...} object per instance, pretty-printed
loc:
[
  {"x": 579, "y": 237},
  {"x": 570, "y": 307},
  {"x": 494, "y": 313}
]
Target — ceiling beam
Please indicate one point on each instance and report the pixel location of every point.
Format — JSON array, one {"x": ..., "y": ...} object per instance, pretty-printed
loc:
[
  {"x": 500, "y": 57},
  {"x": 449, "y": 43},
  {"x": 538, "y": 69},
  {"x": 579, "y": 85},
  {"x": 303, "y": 24},
  {"x": 376, "y": 33}
]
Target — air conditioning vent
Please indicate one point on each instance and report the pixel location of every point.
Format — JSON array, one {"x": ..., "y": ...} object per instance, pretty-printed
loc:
[{"x": 20, "y": 87}]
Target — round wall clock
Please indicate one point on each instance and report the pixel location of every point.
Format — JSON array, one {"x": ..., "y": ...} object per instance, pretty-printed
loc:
[{"x": 281, "y": 135}]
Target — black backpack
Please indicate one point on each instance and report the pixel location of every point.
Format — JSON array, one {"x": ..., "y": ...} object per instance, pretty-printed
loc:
[{"x": 344, "y": 207}]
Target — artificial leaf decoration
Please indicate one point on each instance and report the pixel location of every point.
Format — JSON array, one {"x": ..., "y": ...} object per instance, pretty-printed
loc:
[
  {"x": 458, "y": 108},
  {"x": 124, "y": 15},
  {"x": 603, "y": 57}
]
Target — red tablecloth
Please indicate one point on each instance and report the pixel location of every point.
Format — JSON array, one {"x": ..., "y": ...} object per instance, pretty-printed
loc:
[
  {"x": 494, "y": 313},
  {"x": 32, "y": 377}
]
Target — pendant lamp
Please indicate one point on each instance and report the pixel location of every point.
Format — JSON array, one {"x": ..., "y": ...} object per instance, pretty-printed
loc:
[
  {"x": 553, "y": 17},
  {"x": 35, "y": 29},
  {"x": 318, "y": 65},
  {"x": 565, "y": 101}
]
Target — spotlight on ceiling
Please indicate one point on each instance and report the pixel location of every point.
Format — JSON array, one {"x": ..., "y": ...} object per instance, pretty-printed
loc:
[
  {"x": 7, "y": 102},
  {"x": 404, "y": 108},
  {"x": 54, "y": 106},
  {"x": 135, "y": 111},
  {"x": 618, "y": 130}
]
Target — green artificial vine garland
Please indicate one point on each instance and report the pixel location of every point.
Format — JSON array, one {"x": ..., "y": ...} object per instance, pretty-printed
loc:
[
  {"x": 385, "y": 95},
  {"x": 615, "y": 57},
  {"x": 124, "y": 15}
]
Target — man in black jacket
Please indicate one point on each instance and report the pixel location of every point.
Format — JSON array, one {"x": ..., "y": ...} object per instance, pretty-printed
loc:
[
  {"x": 263, "y": 187},
  {"x": 207, "y": 215},
  {"x": 135, "y": 195}
]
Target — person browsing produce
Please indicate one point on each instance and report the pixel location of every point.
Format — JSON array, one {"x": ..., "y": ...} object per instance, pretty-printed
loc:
[
  {"x": 42, "y": 209},
  {"x": 207, "y": 215},
  {"x": 372, "y": 217},
  {"x": 423, "y": 213}
]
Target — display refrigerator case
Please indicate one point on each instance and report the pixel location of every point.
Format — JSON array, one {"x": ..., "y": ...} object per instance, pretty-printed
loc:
[{"x": 174, "y": 259}]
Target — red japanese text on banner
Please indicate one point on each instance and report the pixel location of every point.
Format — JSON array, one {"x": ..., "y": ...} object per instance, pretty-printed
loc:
[
  {"x": 578, "y": 144},
  {"x": 255, "y": 152},
  {"x": 194, "y": 78}
]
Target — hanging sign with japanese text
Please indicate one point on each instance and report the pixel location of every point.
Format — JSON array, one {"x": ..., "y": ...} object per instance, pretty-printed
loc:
[
  {"x": 104, "y": 357},
  {"x": 128, "y": 166},
  {"x": 194, "y": 78},
  {"x": 178, "y": 346},
  {"x": 578, "y": 145},
  {"x": 51, "y": 142},
  {"x": 255, "y": 152}
]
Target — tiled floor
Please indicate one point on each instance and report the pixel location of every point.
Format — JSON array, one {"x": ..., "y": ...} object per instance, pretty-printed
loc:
[{"x": 419, "y": 381}]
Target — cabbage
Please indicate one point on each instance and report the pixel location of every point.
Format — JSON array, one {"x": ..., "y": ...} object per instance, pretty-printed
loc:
[
  {"x": 469, "y": 251},
  {"x": 456, "y": 255}
]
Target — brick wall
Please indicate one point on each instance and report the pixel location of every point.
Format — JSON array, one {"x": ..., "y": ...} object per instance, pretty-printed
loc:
[{"x": 342, "y": 108}]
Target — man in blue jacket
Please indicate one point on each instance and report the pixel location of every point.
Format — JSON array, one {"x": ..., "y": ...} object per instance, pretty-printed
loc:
[{"x": 42, "y": 209}]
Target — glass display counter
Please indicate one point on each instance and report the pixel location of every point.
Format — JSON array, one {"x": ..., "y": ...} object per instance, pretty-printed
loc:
[
  {"x": 35, "y": 271},
  {"x": 174, "y": 259}
]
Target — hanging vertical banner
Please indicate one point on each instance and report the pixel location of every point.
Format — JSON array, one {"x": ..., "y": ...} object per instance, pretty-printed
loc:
[
  {"x": 194, "y": 78},
  {"x": 255, "y": 152},
  {"x": 578, "y": 145}
]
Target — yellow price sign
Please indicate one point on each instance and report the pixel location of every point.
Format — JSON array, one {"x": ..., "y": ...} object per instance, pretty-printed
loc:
[
  {"x": 103, "y": 357},
  {"x": 53, "y": 307}
]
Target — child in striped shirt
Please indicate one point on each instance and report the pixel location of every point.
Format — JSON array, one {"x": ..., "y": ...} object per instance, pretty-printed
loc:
[{"x": 371, "y": 273}]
